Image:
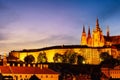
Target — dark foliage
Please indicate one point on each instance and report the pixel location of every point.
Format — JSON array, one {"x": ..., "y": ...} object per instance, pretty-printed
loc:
[
  {"x": 42, "y": 58},
  {"x": 29, "y": 59},
  {"x": 67, "y": 70}
]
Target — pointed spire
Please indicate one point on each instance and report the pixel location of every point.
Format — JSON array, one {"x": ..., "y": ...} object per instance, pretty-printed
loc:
[
  {"x": 97, "y": 25},
  {"x": 89, "y": 34},
  {"x": 83, "y": 37},
  {"x": 97, "y": 22},
  {"x": 83, "y": 29},
  {"x": 108, "y": 31}
]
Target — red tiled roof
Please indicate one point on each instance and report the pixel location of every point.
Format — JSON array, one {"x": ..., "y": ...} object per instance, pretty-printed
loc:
[
  {"x": 113, "y": 39},
  {"x": 5, "y": 69},
  {"x": 25, "y": 70}
]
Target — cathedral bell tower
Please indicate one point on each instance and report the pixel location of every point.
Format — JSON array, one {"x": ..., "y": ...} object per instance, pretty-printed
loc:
[
  {"x": 89, "y": 38},
  {"x": 83, "y": 37},
  {"x": 97, "y": 36}
]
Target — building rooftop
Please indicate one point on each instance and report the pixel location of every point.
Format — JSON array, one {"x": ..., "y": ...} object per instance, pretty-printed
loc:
[
  {"x": 25, "y": 70},
  {"x": 114, "y": 39}
]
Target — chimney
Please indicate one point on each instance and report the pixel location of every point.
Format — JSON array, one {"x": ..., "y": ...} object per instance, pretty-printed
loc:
[
  {"x": 46, "y": 66},
  {"x": 40, "y": 66},
  {"x": 13, "y": 64},
  {"x": 23, "y": 65},
  {"x": 34, "y": 65},
  {"x": 29, "y": 65},
  {"x": 18, "y": 65},
  {"x": 8, "y": 64}
]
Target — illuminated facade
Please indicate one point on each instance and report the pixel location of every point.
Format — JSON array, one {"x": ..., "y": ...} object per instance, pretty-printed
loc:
[
  {"x": 91, "y": 46},
  {"x": 112, "y": 72},
  {"x": 24, "y": 72},
  {"x": 97, "y": 39}
]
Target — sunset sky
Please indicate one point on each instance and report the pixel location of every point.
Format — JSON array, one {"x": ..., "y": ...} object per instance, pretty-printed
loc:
[{"x": 31, "y": 24}]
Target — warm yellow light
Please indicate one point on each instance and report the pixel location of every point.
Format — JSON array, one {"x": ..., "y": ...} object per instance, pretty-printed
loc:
[{"x": 83, "y": 62}]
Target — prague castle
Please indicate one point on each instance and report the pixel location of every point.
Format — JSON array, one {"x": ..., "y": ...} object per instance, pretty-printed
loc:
[
  {"x": 97, "y": 39},
  {"x": 92, "y": 44}
]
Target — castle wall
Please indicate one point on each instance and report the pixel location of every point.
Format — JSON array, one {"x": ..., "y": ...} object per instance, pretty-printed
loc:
[{"x": 91, "y": 55}]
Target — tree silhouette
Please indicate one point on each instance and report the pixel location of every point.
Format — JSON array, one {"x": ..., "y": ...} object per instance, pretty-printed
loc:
[
  {"x": 80, "y": 59},
  {"x": 105, "y": 56},
  {"x": 29, "y": 59},
  {"x": 42, "y": 58},
  {"x": 58, "y": 58},
  {"x": 69, "y": 57},
  {"x": 72, "y": 58},
  {"x": 108, "y": 59},
  {"x": 65, "y": 57}
]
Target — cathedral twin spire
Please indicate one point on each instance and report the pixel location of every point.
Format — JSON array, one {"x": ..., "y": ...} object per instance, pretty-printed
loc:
[
  {"x": 97, "y": 38},
  {"x": 97, "y": 25},
  {"x": 89, "y": 34},
  {"x": 84, "y": 38}
]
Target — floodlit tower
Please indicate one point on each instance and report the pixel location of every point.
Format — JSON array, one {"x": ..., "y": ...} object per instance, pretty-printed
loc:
[
  {"x": 89, "y": 39},
  {"x": 83, "y": 37}
]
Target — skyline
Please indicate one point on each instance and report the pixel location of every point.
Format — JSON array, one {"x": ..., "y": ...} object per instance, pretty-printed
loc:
[{"x": 31, "y": 24}]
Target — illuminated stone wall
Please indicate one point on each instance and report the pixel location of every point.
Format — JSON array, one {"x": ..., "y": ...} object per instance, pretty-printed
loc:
[{"x": 91, "y": 55}]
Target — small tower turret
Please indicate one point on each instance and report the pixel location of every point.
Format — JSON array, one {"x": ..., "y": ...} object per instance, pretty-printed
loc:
[
  {"x": 108, "y": 31},
  {"x": 83, "y": 29},
  {"x": 97, "y": 25},
  {"x": 89, "y": 34},
  {"x": 83, "y": 37},
  {"x": 89, "y": 39}
]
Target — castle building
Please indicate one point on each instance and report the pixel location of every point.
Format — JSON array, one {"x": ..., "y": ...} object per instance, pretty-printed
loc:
[
  {"x": 26, "y": 72},
  {"x": 113, "y": 73},
  {"x": 91, "y": 46},
  {"x": 96, "y": 40}
]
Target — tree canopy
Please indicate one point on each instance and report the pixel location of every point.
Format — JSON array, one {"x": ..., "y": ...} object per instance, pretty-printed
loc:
[
  {"x": 69, "y": 56},
  {"x": 80, "y": 59},
  {"x": 58, "y": 58},
  {"x": 42, "y": 58},
  {"x": 29, "y": 59},
  {"x": 105, "y": 56}
]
